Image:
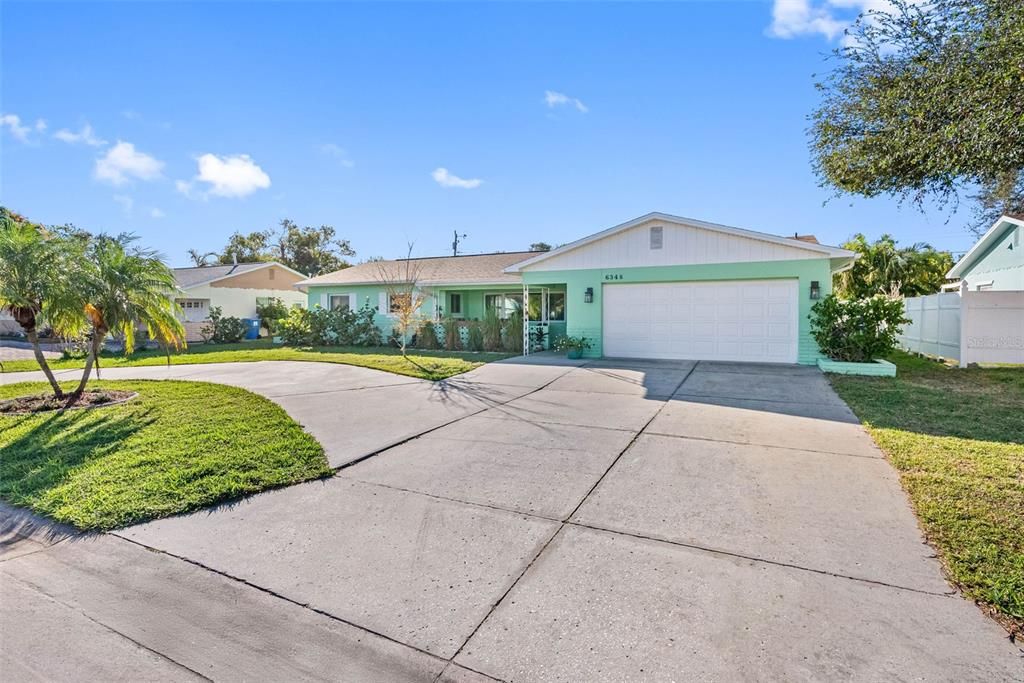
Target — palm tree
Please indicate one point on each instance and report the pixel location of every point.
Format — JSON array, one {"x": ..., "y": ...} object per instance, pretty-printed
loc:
[
  {"x": 36, "y": 274},
  {"x": 127, "y": 287}
]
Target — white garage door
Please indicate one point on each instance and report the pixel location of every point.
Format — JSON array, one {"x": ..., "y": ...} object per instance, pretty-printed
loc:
[{"x": 750, "y": 320}]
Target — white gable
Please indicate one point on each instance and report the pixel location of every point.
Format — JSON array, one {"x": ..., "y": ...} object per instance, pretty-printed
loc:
[{"x": 681, "y": 244}]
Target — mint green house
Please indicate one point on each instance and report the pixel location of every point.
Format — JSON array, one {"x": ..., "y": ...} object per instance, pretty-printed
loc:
[
  {"x": 659, "y": 286},
  {"x": 996, "y": 261}
]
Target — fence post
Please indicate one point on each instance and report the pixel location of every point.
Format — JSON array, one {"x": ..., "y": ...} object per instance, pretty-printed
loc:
[{"x": 964, "y": 323}]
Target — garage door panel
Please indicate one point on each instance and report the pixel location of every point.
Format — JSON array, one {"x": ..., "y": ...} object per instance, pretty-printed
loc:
[{"x": 741, "y": 320}]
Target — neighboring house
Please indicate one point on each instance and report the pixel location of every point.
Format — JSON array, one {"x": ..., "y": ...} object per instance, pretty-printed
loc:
[
  {"x": 8, "y": 326},
  {"x": 983, "y": 320},
  {"x": 659, "y": 286},
  {"x": 236, "y": 289},
  {"x": 996, "y": 261}
]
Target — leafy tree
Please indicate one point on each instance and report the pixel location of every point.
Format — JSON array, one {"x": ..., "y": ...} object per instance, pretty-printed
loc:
[
  {"x": 124, "y": 287},
  {"x": 540, "y": 246},
  {"x": 307, "y": 249},
  {"x": 926, "y": 101},
  {"x": 37, "y": 282},
  {"x": 312, "y": 250},
  {"x": 886, "y": 268},
  {"x": 1003, "y": 196}
]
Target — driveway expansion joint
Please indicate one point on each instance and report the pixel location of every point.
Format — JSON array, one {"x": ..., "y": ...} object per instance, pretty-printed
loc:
[{"x": 687, "y": 437}]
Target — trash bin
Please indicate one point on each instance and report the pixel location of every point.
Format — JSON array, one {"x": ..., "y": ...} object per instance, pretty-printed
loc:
[{"x": 252, "y": 328}]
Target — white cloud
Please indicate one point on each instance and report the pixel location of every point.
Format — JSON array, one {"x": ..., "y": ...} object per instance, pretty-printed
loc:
[
  {"x": 338, "y": 153},
  {"x": 446, "y": 179},
  {"x": 156, "y": 213},
  {"x": 126, "y": 202},
  {"x": 13, "y": 124},
  {"x": 227, "y": 176},
  {"x": 829, "y": 18},
  {"x": 123, "y": 162},
  {"x": 559, "y": 99},
  {"x": 86, "y": 136},
  {"x": 40, "y": 125}
]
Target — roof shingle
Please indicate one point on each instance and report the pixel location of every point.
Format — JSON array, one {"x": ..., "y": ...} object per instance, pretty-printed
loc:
[{"x": 469, "y": 269}]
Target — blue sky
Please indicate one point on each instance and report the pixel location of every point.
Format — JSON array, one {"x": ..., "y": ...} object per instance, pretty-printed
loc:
[{"x": 185, "y": 122}]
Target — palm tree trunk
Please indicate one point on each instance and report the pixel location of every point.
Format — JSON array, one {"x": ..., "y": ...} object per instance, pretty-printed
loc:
[
  {"x": 94, "y": 350},
  {"x": 33, "y": 337}
]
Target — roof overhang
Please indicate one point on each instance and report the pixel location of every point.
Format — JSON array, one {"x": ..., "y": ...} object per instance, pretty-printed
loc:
[
  {"x": 247, "y": 270},
  {"x": 823, "y": 249},
  {"x": 991, "y": 235}
]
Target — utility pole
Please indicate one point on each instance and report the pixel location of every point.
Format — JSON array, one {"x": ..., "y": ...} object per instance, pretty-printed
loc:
[{"x": 455, "y": 242}]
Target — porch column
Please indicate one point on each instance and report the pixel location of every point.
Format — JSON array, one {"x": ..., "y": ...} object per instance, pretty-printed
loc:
[{"x": 526, "y": 319}]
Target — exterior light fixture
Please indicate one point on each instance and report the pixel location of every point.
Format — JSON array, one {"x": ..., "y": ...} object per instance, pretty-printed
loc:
[
  {"x": 588, "y": 296},
  {"x": 815, "y": 290}
]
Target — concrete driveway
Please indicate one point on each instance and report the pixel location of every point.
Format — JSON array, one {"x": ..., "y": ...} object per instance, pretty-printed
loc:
[{"x": 530, "y": 520}]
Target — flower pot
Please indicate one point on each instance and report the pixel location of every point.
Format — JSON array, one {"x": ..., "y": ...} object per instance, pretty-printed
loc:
[{"x": 574, "y": 354}]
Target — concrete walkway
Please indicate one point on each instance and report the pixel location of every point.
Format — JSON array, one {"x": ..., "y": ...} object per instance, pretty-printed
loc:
[{"x": 525, "y": 521}]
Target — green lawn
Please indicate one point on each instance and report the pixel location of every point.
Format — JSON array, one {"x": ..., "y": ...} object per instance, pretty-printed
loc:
[
  {"x": 177, "y": 447},
  {"x": 432, "y": 365},
  {"x": 957, "y": 438}
]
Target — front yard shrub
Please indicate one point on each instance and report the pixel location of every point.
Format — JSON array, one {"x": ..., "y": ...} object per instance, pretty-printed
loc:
[
  {"x": 222, "y": 330},
  {"x": 475, "y": 337},
  {"x": 857, "y": 330},
  {"x": 321, "y": 327},
  {"x": 452, "y": 335},
  {"x": 491, "y": 329},
  {"x": 512, "y": 333},
  {"x": 427, "y": 336},
  {"x": 270, "y": 313}
]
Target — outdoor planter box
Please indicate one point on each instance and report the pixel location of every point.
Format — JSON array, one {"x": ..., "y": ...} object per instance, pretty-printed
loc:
[{"x": 878, "y": 368}]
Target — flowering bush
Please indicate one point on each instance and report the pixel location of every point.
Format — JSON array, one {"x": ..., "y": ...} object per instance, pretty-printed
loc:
[
  {"x": 857, "y": 330},
  {"x": 321, "y": 327}
]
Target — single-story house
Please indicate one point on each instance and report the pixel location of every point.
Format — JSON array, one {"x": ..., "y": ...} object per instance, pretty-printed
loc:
[
  {"x": 236, "y": 289},
  {"x": 658, "y": 286},
  {"x": 996, "y": 261}
]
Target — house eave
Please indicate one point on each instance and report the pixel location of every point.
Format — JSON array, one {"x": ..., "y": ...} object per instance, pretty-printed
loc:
[{"x": 982, "y": 244}]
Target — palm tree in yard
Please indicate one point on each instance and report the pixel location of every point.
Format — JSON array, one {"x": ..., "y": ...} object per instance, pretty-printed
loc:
[
  {"x": 36, "y": 282},
  {"x": 127, "y": 287}
]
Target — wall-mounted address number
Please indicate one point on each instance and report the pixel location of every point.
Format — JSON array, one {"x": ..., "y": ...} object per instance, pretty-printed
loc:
[{"x": 613, "y": 276}]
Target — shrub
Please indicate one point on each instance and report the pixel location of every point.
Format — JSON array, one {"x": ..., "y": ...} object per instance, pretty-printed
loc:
[
  {"x": 491, "y": 331},
  {"x": 271, "y": 313},
  {"x": 221, "y": 330},
  {"x": 320, "y": 327},
  {"x": 427, "y": 337},
  {"x": 568, "y": 343},
  {"x": 452, "y": 338},
  {"x": 475, "y": 337},
  {"x": 294, "y": 329},
  {"x": 512, "y": 333},
  {"x": 857, "y": 330}
]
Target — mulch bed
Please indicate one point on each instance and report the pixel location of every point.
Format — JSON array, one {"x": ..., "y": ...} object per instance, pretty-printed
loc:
[{"x": 40, "y": 403}]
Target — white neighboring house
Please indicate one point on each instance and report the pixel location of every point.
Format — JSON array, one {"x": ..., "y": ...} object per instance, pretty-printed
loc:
[
  {"x": 983, "y": 320},
  {"x": 8, "y": 326},
  {"x": 237, "y": 289}
]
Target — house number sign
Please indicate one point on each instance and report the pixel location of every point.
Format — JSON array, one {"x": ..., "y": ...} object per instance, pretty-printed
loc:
[{"x": 614, "y": 276}]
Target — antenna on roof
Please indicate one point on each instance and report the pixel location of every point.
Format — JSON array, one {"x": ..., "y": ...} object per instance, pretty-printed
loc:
[{"x": 455, "y": 242}]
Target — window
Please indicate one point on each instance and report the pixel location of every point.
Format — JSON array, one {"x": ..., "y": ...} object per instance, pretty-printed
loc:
[
  {"x": 657, "y": 237},
  {"x": 504, "y": 304},
  {"x": 455, "y": 304},
  {"x": 396, "y": 301},
  {"x": 556, "y": 306},
  {"x": 339, "y": 302}
]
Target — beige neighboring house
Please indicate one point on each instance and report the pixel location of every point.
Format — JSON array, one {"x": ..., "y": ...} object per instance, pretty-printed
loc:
[{"x": 237, "y": 289}]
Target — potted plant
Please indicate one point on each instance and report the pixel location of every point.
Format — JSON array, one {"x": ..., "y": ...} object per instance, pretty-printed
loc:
[{"x": 573, "y": 346}]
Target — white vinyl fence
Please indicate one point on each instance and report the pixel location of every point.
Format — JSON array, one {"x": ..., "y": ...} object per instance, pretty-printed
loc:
[{"x": 971, "y": 327}]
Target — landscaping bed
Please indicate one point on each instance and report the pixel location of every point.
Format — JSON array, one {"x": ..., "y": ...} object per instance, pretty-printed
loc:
[
  {"x": 39, "y": 403},
  {"x": 956, "y": 436},
  {"x": 176, "y": 447},
  {"x": 431, "y": 365}
]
